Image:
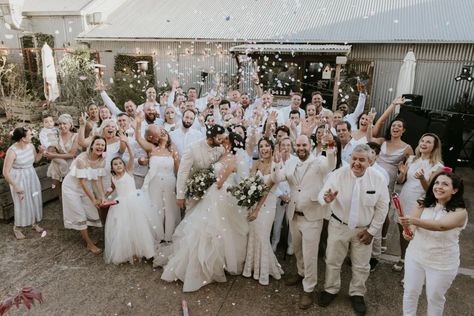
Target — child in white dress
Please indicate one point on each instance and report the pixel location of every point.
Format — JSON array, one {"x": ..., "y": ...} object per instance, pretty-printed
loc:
[{"x": 132, "y": 228}]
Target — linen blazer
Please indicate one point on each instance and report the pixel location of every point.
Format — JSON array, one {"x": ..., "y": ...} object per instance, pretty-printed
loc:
[
  {"x": 197, "y": 156},
  {"x": 305, "y": 191}
]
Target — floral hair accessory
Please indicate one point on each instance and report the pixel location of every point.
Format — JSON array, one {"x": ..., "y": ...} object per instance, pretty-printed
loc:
[{"x": 447, "y": 169}]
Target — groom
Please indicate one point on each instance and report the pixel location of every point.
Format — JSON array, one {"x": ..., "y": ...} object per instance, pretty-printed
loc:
[
  {"x": 199, "y": 155},
  {"x": 305, "y": 177}
]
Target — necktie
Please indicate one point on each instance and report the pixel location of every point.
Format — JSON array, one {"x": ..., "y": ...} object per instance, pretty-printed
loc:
[{"x": 354, "y": 211}]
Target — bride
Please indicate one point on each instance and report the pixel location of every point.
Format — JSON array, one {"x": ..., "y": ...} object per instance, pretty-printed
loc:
[{"x": 212, "y": 239}]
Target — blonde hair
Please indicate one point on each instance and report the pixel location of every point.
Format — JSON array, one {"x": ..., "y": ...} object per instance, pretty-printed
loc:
[
  {"x": 66, "y": 119},
  {"x": 436, "y": 155},
  {"x": 105, "y": 123}
]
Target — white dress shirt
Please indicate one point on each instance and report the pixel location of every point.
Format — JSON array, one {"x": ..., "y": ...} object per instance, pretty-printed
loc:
[
  {"x": 182, "y": 138},
  {"x": 373, "y": 200},
  {"x": 285, "y": 113},
  {"x": 347, "y": 150}
]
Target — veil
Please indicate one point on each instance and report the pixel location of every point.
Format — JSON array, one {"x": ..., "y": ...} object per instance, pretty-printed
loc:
[{"x": 244, "y": 163}]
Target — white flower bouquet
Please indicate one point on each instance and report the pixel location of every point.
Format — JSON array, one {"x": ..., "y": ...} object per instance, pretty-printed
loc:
[
  {"x": 199, "y": 182},
  {"x": 248, "y": 191}
]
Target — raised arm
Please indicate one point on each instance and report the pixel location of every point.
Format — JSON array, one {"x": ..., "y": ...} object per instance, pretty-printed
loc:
[
  {"x": 81, "y": 138},
  {"x": 107, "y": 100},
  {"x": 146, "y": 145},
  {"x": 131, "y": 157}
]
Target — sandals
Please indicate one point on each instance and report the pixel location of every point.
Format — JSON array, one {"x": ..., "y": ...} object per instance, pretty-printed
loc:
[
  {"x": 95, "y": 251},
  {"x": 399, "y": 265},
  {"x": 37, "y": 228},
  {"x": 18, "y": 234}
]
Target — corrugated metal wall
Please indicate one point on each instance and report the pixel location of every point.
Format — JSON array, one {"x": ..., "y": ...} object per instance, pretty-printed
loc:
[
  {"x": 64, "y": 28},
  {"x": 437, "y": 65}
]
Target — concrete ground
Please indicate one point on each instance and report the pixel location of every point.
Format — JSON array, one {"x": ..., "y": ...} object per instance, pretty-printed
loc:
[{"x": 75, "y": 282}]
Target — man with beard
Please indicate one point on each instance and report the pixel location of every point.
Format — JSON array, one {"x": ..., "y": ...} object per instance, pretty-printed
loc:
[
  {"x": 129, "y": 106},
  {"x": 317, "y": 100},
  {"x": 151, "y": 117},
  {"x": 184, "y": 135},
  {"x": 199, "y": 155},
  {"x": 305, "y": 177},
  {"x": 150, "y": 99},
  {"x": 358, "y": 199}
]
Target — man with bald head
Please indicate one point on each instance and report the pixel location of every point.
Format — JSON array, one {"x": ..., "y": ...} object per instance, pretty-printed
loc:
[{"x": 305, "y": 177}]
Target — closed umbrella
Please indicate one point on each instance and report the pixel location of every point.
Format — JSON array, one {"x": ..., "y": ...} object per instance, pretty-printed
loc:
[
  {"x": 51, "y": 87},
  {"x": 406, "y": 78}
]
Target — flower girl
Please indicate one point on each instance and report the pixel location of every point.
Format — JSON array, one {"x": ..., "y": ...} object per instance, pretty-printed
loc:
[{"x": 132, "y": 228}]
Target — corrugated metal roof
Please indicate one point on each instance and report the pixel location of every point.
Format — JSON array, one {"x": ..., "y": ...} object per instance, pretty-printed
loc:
[
  {"x": 300, "y": 21},
  {"x": 291, "y": 48},
  {"x": 54, "y": 7}
]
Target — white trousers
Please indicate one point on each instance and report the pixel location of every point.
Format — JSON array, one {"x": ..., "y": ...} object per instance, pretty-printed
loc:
[
  {"x": 437, "y": 284},
  {"x": 278, "y": 223},
  {"x": 340, "y": 236},
  {"x": 306, "y": 236}
]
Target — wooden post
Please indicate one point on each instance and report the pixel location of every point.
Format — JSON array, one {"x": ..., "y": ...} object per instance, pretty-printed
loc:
[{"x": 335, "y": 91}]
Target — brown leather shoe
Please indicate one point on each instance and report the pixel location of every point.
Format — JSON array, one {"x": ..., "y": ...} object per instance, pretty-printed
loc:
[
  {"x": 306, "y": 300},
  {"x": 294, "y": 280}
]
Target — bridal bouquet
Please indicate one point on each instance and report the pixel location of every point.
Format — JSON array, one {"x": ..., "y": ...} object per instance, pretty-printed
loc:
[
  {"x": 199, "y": 182},
  {"x": 248, "y": 191}
]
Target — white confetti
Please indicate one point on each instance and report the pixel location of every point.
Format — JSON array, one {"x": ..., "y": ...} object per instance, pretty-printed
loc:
[
  {"x": 35, "y": 194},
  {"x": 43, "y": 234},
  {"x": 129, "y": 305},
  {"x": 233, "y": 304},
  {"x": 395, "y": 21},
  {"x": 8, "y": 36},
  {"x": 56, "y": 32}
]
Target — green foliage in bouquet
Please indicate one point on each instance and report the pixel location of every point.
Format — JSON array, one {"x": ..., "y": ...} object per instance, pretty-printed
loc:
[
  {"x": 248, "y": 191},
  {"x": 199, "y": 182}
]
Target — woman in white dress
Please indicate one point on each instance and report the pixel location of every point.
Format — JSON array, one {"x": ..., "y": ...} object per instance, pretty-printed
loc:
[
  {"x": 82, "y": 191},
  {"x": 132, "y": 226},
  {"x": 432, "y": 256},
  {"x": 160, "y": 181},
  {"x": 115, "y": 148},
  {"x": 212, "y": 239},
  {"x": 24, "y": 184},
  {"x": 416, "y": 173},
  {"x": 261, "y": 259}
]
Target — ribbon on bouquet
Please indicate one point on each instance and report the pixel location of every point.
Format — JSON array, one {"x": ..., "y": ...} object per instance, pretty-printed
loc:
[{"x": 398, "y": 205}]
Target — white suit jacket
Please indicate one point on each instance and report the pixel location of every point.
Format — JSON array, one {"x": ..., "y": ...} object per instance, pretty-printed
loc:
[
  {"x": 198, "y": 155},
  {"x": 305, "y": 191}
]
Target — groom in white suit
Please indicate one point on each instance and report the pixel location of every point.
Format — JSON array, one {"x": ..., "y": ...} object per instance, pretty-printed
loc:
[
  {"x": 199, "y": 155},
  {"x": 305, "y": 177}
]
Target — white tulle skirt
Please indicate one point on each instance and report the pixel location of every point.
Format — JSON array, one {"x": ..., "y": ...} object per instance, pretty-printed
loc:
[
  {"x": 210, "y": 241},
  {"x": 132, "y": 229}
]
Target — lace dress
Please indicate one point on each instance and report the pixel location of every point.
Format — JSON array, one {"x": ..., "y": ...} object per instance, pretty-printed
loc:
[
  {"x": 58, "y": 168},
  {"x": 78, "y": 210},
  {"x": 132, "y": 226},
  {"x": 29, "y": 210},
  {"x": 260, "y": 258},
  {"x": 160, "y": 183},
  {"x": 210, "y": 241}
]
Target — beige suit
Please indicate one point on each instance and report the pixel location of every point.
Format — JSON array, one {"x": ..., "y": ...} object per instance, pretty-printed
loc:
[
  {"x": 304, "y": 211},
  {"x": 198, "y": 155}
]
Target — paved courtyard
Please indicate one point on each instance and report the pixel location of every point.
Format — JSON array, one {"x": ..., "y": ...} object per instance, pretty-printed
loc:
[{"x": 75, "y": 282}]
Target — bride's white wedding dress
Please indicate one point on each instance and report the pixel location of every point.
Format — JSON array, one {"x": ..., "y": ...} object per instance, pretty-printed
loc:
[{"x": 209, "y": 241}]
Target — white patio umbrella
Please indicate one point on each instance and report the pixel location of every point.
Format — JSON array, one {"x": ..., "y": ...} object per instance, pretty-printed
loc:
[
  {"x": 406, "y": 78},
  {"x": 51, "y": 87}
]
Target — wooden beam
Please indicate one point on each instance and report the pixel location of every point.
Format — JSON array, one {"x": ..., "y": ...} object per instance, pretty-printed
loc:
[{"x": 335, "y": 91}]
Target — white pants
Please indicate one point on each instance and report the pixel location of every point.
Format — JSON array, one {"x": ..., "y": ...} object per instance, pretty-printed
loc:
[
  {"x": 306, "y": 236},
  {"x": 437, "y": 284},
  {"x": 377, "y": 244},
  {"x": 340, "y": 236},
  {"x": 278, "y": 223}
]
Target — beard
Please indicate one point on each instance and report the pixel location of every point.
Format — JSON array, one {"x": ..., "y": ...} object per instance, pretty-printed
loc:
[
  {"x": 303, "y": 154},
  {"x": 187, "y": 125}
]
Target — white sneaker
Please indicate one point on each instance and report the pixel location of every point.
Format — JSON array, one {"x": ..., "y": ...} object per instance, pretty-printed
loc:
[{"x": 290, "y": 251}]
